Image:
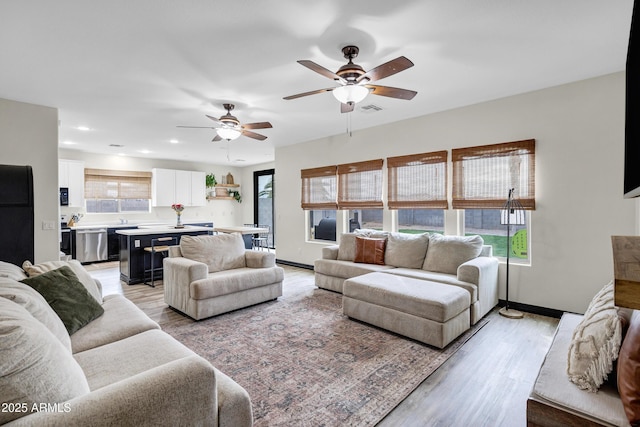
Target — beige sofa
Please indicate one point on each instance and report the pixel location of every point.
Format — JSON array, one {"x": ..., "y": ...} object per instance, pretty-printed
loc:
[
  {"x": 208, "y": 275},
  {"x": 119, "y": 369},
  {"x": 464, "y": 262}
]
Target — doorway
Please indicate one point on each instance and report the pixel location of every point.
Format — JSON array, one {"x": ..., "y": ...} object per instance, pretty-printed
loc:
[{"x": 263, "y": 206}]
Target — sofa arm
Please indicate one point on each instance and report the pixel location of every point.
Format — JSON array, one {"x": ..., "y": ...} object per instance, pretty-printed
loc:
[
  {"x": 482, "y": 272},
  {"x": 330, "y": 252},
  {"x": 257, "y": 259},
  {"x": 181, "y": 392},
  {"x": 183, "y": 270}
]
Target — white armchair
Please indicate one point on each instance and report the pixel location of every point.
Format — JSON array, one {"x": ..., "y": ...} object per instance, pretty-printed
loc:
[{"x": 209, "y": 275}]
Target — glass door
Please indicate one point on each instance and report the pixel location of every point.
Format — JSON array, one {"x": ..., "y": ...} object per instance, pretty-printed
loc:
[{"x": 263, "y": 197}]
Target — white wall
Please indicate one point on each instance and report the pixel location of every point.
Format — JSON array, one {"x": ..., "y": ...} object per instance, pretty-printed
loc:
[
  {"x": 579, "y": 132},
  {"x": 221, "y": 212},
  {"x": 29, "y": 136}
]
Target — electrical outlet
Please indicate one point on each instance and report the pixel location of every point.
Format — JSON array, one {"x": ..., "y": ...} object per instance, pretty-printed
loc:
[
  {"x": 136, "y": 243},
  {"x": 48, "y": 225}
]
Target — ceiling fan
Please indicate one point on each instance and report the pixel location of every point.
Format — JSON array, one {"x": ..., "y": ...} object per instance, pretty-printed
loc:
[
  {"x": 354, "y": 81},
  {"x": 228, "y": 127}
]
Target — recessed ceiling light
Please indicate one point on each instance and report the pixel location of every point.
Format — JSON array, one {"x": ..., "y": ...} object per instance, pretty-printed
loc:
[
  {"x": 173, "y": 141},
  {"x": 121, "y": 154},
  {"x": 85, "y": 128},
  {"x": 69, "y": 143},
  {"x": 144, "y": 151}
]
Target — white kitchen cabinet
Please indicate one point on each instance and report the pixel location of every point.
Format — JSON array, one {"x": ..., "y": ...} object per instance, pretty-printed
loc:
[
  {"x": 171, "y": 186},
  {"x": 71, "y": 176}
]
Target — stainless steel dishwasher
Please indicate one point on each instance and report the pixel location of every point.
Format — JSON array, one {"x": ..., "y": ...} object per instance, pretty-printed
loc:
[{"x": 91, "y": 245}]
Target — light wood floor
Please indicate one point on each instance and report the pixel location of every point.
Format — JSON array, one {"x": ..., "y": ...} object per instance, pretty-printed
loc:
[{"x": 486, "y": 383}]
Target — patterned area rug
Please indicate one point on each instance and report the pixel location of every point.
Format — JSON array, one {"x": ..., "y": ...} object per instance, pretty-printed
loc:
[{"x": 306, "y": 364}]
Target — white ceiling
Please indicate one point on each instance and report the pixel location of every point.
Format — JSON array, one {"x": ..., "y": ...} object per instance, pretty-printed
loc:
[{"x": 132, "y": 70}]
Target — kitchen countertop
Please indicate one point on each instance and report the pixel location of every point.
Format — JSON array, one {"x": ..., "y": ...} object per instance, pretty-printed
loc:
[
  {"x": 161, "y": 229},
  {"x": 85, "y": 226}
]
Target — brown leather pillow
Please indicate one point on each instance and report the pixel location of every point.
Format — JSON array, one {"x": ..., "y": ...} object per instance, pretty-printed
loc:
[
  {"x": 370, "y": 251},
  {"x": 629, "y": 371}
]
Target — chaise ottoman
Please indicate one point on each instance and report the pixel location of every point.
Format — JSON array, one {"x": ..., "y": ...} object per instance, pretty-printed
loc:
[{"x": 429, "y": 312}]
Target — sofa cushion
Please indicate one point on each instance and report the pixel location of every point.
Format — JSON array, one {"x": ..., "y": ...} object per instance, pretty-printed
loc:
[
  {"x": 345, "y": 269},
  {"x": 406, "y": 250},
  {"x": 220, "y": 252},
  {"x": 12, "y": 271},
  {"x": 37, "y": 306},
  {"x": 370, "y": 251},
  {"x": 121, "y": 319},
  {"x": 629, "y": 371},
  {"x": 552, "y": 386},
  {"x": 596, "y": 342},
  {"x": 67, "y": 296},
  {"x": 34, "y": 366},
  {"x": 234, "y": 280},
  {"x": 77, "y": 268},
  {"x": 347, "y": 247},
  {"x": 432, "y": 276},
  {"x": 446, "y": 253}
]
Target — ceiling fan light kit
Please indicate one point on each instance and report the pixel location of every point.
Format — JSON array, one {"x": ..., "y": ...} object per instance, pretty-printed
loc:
[
  {"x": 228, "y": 127},
  {"x": 228, "y": 133},
  {"x": 355, "y": 82}
]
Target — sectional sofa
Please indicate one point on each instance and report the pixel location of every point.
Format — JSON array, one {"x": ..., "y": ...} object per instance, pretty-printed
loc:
[{"x": 118, "y": 369}]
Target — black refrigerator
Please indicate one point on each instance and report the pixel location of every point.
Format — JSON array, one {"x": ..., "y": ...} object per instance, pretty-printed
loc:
[{"x": 16, "y": 214}]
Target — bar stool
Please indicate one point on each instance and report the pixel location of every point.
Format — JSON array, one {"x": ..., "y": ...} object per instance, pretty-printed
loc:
[
  {"x": 160, "y": 246},
  {"x": 262, "y": 239}
]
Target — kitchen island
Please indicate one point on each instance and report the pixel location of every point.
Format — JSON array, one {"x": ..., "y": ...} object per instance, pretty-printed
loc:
[{"x": 134, "y": 260}]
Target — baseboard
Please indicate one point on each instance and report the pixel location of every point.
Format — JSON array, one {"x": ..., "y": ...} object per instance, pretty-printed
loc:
[
  {"x": 294, "y": 264},
  {"x": 543, "y": 311}
]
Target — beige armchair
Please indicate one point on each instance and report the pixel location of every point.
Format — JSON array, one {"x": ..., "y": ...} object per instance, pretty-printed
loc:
[{"x": 209, "y": 275}]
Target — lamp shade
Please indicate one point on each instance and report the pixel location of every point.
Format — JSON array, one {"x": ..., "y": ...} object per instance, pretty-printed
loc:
[
  {"x": 228, "y": 133},
  {"x": 350, "y": 93},
  {"x": 512, "y": 216}
]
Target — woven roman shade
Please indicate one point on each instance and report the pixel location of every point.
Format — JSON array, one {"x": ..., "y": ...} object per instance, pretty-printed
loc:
[
  {"x": 360, "y": 185},
  {"x": 319, "y": 188},
  {"x": 115, "y": 184},
  {"x": 417, "y": 181},
  {"x": 482, "y": 176}
]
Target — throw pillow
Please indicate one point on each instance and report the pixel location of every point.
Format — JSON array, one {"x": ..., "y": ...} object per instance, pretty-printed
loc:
[
  {"x": 446, "y": 253},
  {"x": 82, "y": 274},
  {"x": 347, "y": 247},
  {"x": 629, "y": 371},
  {"x": 67, "y": 296},
  {"x": 37, "y": 306},
  {"x": 34, "y": 366},
  {"x": 370, "y": 251},
  {"x": 220, "y": 252},
  {"x": 406, "y": 250},
  {"x": 11, "y": 271},
  {"x": 596, "y": 342}
]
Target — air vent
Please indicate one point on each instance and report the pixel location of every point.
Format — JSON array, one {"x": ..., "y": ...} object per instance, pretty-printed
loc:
[
  {"x": 371, "y": 108},
  {"x": 116, "y": 145}
]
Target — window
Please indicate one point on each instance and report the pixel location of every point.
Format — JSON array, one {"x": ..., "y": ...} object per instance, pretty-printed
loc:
[
  {"x": 482, "y": 178},
  {"x": 486, "y": 223},
  {"x": 319, "y": 199},
  {"x": 418, "y": 190},
  {"x": 117, "y": 191},
  {"x": 416, "y": 221},
  {"x": 360, "y": 185},
  {"x": 365, "y": 218},
  {"x": 326, "y": 230}
]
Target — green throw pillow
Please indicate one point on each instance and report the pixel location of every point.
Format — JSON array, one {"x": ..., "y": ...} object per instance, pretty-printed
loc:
[{"x": 68, "y": 297}]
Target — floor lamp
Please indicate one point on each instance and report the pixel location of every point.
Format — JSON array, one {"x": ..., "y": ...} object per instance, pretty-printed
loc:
[{"x": 512, "y": 214}]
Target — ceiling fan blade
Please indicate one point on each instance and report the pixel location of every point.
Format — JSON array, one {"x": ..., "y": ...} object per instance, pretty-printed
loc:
[
  {"x": 347, "y": 108},
  {"x": 196, "y": 127},
  {"x": 313, "y": 92},
  {"x": 387, "y": 69},
  {"x": 216, "y": 138},
  {"x": 259, "y": 125},
  {"x": 321, "y": 70},
  {"x": 254, "y": 135},
  {"x": 214, "y": 119},
  {"x": 392, "y": 92}
]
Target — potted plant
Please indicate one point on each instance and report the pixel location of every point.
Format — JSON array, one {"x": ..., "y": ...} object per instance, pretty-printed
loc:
[
  {"x": 236, "y": 195},
  {"x": 210, "y": 182}
]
